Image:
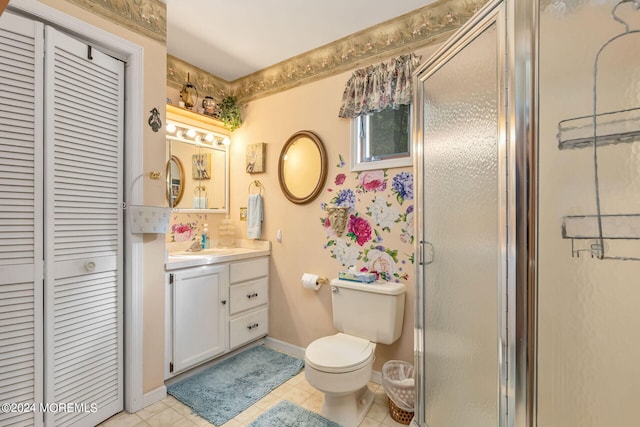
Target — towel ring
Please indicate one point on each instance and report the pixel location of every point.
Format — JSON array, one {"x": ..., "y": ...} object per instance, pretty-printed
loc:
[{"x": 258, "y": 184}]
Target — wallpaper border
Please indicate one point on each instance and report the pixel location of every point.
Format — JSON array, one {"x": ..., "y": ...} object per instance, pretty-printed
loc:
[
  {"x": 423, "y": 27},
  {"x": 146, "y": 17}
]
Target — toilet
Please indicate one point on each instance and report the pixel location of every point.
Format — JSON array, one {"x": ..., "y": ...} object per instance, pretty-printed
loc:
[{"x": 340, "y": 365}]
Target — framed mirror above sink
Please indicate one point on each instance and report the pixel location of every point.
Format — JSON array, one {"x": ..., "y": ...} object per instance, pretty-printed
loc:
[
  {"x": 197, "y": 169},
  {"x": 302, "y": 169}
]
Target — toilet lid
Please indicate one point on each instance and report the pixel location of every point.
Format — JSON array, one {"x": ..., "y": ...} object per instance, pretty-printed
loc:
[{"x": 339, "y": 353}]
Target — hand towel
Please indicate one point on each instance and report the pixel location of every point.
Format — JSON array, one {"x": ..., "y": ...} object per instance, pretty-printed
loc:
[{"x": 254, "y": 216}]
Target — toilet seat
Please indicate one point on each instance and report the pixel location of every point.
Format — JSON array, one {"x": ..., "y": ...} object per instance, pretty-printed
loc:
[{"x": 339, "y": 353}]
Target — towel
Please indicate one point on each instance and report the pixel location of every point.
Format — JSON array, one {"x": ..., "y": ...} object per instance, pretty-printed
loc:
[{"x": 254, "y": 216}]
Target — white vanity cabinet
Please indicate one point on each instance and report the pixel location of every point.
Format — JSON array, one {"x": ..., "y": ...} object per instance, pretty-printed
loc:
[
  {"x": 198, "y": 312},
  {"x": 214, "y": 307},
  {"x": 249, "y": 298}
]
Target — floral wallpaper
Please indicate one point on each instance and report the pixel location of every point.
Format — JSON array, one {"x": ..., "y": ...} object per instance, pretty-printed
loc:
[
  {"x": 380, "y": 208},
  {"x": 182, "y": 232},
  {"x": 185, "y": 227}
]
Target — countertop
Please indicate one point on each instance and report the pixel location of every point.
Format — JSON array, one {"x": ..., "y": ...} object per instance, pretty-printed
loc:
[{"x": 244, "y": 250}]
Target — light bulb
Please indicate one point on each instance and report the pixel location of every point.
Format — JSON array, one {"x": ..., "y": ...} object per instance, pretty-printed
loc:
[
  {"x": 171, "y": 128},
  {"x": 191, "y": 133},
  {"x": 209, "y": 137},
  {"x": 226, "y": 141}
]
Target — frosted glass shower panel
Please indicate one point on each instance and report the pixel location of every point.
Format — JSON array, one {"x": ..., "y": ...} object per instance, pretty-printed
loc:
[
  {"x": 461, "y": 220},
  {"x": 588, "y": 317}
]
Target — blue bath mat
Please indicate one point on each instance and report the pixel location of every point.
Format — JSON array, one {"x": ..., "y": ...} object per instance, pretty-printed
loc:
[
  {"x": 222, "y": 391},
  {"x": 286, "y": 414}
]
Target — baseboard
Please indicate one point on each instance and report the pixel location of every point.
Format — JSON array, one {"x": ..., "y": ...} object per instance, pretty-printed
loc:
[
  {"x": 376, "y": 377},
  {"x": 154, "y": 396},
  {"x": 294, "y": 350},
  {"x": 284, "y": 347}
]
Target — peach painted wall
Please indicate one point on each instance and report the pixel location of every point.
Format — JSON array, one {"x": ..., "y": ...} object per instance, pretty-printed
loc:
[
  {"x": 155, "y": 56},
  {"x": 298, "y": 316}
]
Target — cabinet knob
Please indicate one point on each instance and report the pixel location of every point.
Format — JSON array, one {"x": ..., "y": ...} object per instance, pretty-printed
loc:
[
  {"x": 224, "y": 301},
  {"x": 89, "y": 265}
]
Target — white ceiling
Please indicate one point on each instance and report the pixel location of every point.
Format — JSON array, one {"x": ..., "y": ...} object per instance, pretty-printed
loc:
[{"x": 232, "y": 39}]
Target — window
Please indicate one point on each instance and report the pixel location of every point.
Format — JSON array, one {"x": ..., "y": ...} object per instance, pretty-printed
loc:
[
  {"x": 377, "y": 99},
  {"x": 381, "y": 140}
]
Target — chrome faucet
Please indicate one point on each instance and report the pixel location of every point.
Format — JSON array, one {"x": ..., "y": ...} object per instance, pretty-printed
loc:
[{"x": 195, "y": 247}]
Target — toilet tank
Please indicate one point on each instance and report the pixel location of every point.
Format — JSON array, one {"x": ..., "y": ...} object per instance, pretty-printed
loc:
[{"x": 373, "y": 311}]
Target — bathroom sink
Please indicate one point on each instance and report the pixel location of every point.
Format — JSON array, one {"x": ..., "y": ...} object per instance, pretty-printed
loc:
[{"x": 210, "y": 252}]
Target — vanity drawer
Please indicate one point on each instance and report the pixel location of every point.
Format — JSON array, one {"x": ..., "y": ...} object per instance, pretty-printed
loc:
[
  {"x": 249, "y": 295},
  {"x": 247, "y": 270},
  {"x": 248, "y": 327}
]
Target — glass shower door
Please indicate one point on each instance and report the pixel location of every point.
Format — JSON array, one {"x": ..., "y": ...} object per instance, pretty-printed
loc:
[{"x": 462, "y": 187}]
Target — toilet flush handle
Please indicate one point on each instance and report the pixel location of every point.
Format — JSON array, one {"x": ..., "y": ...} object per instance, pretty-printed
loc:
[{"x": 335, "y": 289}]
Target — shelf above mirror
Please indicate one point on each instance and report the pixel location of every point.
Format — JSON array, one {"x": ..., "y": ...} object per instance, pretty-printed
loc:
[{"x": 192, "y": 118}]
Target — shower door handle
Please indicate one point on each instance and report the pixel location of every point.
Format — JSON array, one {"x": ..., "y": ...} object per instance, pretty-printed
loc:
[{"x": 426, "y": 252}]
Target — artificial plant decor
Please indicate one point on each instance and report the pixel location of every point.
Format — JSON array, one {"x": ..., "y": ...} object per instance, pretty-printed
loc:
[{"x": 230, "y": 112}]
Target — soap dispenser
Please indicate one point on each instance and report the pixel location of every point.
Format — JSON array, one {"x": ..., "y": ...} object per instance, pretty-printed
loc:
[{"x": 205, "y": 237}]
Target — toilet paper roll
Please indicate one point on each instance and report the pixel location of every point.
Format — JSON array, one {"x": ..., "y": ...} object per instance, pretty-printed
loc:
[{"x": 310, "y": 281}]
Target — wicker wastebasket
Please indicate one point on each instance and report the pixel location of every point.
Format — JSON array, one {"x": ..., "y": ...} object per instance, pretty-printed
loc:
[
  {"x": 398, "y": 383},
  {"x": 399, "y": 414}
]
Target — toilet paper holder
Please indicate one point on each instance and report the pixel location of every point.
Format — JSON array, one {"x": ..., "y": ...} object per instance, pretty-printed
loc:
[{"x": 312, "y": 281}]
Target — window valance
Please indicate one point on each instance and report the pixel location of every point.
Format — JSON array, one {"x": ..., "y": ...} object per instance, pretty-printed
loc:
[{"x": 376, "y": 87}]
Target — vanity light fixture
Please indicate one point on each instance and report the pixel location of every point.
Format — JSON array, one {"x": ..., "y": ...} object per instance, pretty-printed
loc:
[
  {"x": 190, "y": 134},
  {"x": 223, "y": 141}
]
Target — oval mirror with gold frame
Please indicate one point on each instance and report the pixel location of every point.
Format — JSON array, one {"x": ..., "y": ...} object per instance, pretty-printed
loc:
[
  {"x": 175, "y": 181},
  {"x": 302, "y": 169}
]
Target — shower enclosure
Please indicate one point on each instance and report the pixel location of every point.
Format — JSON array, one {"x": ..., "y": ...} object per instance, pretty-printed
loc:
[
  {"x": 528, "y": 225},
  {"x": 465, "y": 227}
]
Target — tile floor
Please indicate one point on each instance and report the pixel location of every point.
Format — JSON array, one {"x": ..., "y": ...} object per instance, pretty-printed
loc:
[{"x": 171, "y": 412}]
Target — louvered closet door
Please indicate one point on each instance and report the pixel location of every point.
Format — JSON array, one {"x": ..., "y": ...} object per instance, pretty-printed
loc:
[
  {"x": 83, "y": 250},
  {"x": 21, "y": 53}
]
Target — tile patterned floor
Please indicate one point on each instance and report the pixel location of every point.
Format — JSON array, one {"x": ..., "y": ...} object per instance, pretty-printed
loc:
[{"x": 171, "y": 412}]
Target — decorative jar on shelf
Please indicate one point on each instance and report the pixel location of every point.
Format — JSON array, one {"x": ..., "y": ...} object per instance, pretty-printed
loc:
[{"x": 208, "y": 105}]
